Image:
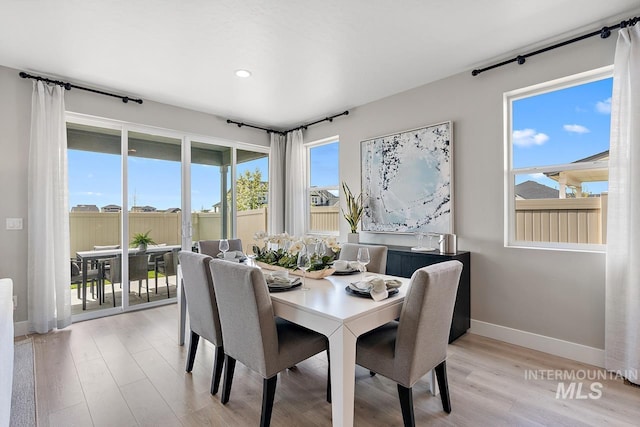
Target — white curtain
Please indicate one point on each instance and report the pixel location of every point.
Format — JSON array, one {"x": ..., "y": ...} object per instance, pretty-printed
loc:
[
  {"x": 49, "y": 270},
  {"x": 622, "y": 328},
  {"x": 295, "y": 203},
  {"x": 276, "y": 183}
]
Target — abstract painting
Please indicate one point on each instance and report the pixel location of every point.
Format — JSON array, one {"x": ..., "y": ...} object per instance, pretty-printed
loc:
[{"x": 407, "y": 181}]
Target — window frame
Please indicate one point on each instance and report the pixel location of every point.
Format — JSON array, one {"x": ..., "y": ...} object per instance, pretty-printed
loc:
[
  {"x": 308, "y": 146},
  {"x": 510, "y": 173}
]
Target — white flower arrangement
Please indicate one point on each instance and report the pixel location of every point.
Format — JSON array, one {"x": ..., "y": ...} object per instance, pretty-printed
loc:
[{"x": 282, "y": 249}]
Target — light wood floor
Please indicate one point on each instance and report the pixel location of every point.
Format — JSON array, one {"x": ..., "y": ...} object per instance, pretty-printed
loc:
[{"x": 128, "y": 370}]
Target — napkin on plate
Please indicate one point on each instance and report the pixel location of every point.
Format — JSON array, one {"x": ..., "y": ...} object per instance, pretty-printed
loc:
[
  {"x": 238, "y": 255},
  {"x": 278, "y": 280},
  {"x": 376, "y": 286}
]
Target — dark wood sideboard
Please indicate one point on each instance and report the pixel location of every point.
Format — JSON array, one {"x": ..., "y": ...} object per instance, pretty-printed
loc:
[{"x": 402, "y": 261}]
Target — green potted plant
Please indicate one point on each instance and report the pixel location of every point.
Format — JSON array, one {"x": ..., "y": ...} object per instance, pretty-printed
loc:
[
  {"x": 353, "y": 214},
  {"x": 141, "y": 240}
]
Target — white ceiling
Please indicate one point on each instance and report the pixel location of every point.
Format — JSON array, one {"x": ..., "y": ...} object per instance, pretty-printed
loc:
[{"x": 308, "y": 59}]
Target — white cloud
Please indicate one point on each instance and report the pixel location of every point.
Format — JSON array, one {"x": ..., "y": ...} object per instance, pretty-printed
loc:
[
  {"x": 604, "y": 107},
  {"x": 528, "y": 137},
  {"x": 576, "y": 128},
  {"x": 537, "y": 176}
]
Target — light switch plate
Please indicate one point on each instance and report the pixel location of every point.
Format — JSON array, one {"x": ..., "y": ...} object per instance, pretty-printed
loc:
[{"x": 14, "y": 223}]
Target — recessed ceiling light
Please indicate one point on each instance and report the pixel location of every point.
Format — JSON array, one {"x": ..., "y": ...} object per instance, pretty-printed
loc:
[{"x": 243, "y": 73}]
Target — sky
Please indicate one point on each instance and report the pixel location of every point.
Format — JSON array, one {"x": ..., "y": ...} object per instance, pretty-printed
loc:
[
  {"x": 561, "y": 127},
  {"x": 94, "y": 179}
]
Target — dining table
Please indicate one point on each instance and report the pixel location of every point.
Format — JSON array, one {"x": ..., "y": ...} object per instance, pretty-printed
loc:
[
  {"x": 96, "y": 255},
  {"x": 329, "y": 309}
]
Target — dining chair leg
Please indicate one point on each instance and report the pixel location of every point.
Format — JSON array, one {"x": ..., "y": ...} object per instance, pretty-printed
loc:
[
  {"x": 218, "y": 362},
  {"x": 229, "y": 367},
  {"x": 406, "y": 404},
  {"x": 113, "y": 293},
  {"x": 443, "y": 385},
  {"x": 147, "y": 282},
  {"x": 328, "y": 377},
  {"x": 193, "y": 347},
  {"x": 268, "y": 394},
  {"x": 166, "y": 279}
]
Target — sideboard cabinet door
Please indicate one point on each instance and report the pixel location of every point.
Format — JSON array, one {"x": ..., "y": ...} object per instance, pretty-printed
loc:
[{"x": 403, "y": 262}]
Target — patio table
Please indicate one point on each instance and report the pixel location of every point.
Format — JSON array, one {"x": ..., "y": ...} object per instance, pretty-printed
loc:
[{"x": 86, "y": 256}]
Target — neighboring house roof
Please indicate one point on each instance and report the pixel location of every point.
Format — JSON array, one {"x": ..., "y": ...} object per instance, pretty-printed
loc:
[
  {"x": 330, "y": 198},
  {"x": 85, "y": 208},
  {"x": 111, "y": 208},
  {"x": 143, "y": 209},
  {"x": 577, "y": 177},
  {"x": 534, "y": 190},
  {"x": 173, "y": 210}
]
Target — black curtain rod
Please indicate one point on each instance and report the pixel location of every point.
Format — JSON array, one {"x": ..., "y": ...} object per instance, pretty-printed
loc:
[
  {"x": 326, "y": 119},
  {"x": 68, "y": 86},
  {"x": 240, "y": 124},
  {"x": 521, "y": 59}
]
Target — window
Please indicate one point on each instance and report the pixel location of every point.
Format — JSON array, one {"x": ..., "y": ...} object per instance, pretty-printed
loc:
[
  {"x": 323, "y": 187},
  {"x": 557, "y": 152}
]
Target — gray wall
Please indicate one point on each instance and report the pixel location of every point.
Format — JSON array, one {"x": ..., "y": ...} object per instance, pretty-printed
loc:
[
  {"x": 553, "y": 293},
  {"x": 15, "y": 116}
]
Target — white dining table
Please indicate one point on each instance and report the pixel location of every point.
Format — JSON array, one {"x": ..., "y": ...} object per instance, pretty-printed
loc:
[{"x": 328, "y": 309}]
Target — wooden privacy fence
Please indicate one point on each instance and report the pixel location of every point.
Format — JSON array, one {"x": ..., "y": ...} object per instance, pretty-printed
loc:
[
  {"x": 579, "y": 220},
  {"x": 89, "y": 229}
]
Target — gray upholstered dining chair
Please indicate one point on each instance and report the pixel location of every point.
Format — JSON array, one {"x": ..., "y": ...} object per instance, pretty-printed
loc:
[
  {"x": 137, "y": 271},
  {"x": 210, "y": 247},
  {"x": 253, "y": 335},
  {"x": 378, "y": 255},
  {"x": 405, "y": 351},
  {"x": 202, "y": 307}
]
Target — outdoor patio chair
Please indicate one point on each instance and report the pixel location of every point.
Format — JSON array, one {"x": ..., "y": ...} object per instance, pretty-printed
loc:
[
  {"x": 93, "y": 275},
  {"x": 137, "y": 271}
]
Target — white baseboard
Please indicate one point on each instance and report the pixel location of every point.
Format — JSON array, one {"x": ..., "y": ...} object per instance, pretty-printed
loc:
[
  {"x": 20, "y": 328},
  {"x": 578, "y": 352}
]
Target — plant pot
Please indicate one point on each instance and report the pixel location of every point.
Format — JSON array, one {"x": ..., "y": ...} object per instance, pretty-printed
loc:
[
  {"x": 353, "y": 238},
  {"x": 142, "y": 247}
]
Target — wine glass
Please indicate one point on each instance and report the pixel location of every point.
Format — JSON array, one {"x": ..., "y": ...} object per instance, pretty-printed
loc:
[
  {"x": 363, "y": 259},
  {"x": 223, "y": 246},
  {"x": 251, "y": 254},
  {"x": 304, "y": 263}
]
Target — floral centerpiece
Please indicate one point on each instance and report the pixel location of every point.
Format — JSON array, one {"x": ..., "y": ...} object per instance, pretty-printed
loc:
[{"x": 280, "y": 252}]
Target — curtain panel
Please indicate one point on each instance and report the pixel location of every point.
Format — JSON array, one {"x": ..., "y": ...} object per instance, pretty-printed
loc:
[
  {"x": 276, "y": 183},
  {"x": 295, "y": 203},
  {"x": 49, "y": 271},
  {"x": 622, "y": 312}
]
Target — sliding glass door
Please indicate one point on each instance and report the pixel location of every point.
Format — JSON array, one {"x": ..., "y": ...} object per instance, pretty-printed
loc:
[
  {"x": 131, "y": 185},
  {"x": 154, "y": 210},
  {"x": 95, "y": 196}
]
